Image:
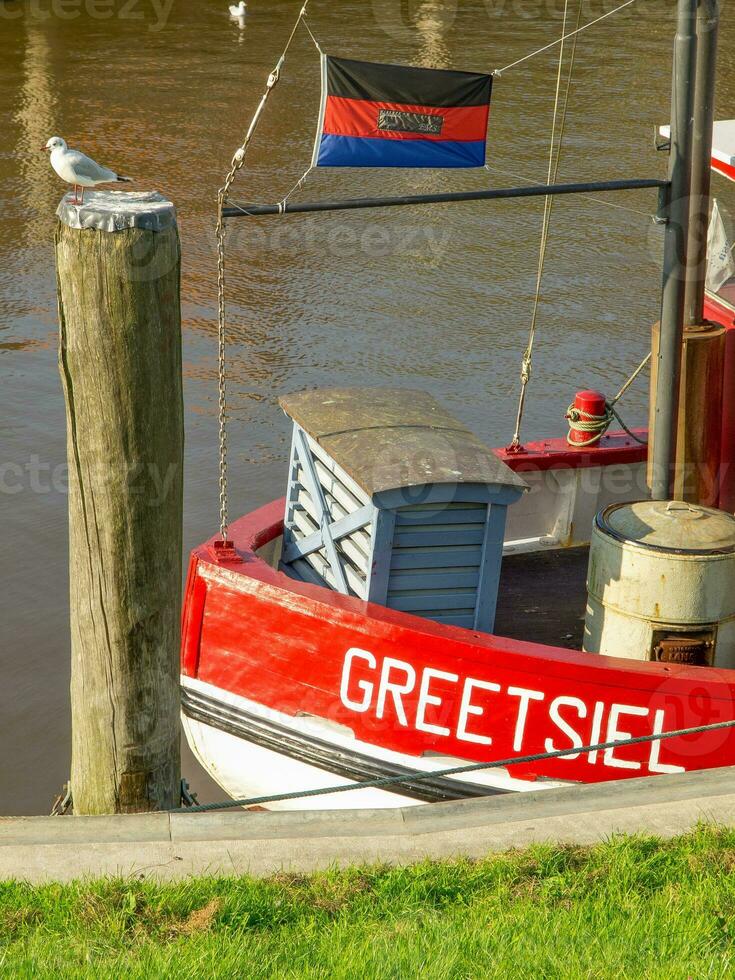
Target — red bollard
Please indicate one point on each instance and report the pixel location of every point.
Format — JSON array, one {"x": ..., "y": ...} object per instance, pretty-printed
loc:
[{"x": 588, "y": 406}]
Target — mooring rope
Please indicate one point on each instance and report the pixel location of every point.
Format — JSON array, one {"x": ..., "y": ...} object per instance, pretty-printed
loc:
[
  {"x": 386, "y": 781},
  {"x": 597, "y": 425},
  {"x": 222, "y": 198}
]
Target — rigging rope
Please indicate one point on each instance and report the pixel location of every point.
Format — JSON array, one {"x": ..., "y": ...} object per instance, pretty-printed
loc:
[
  {"x": 555, "y": 147},
  {"x": 238, "y": 161},
  {"x": 491, "y": 168},
  {"x": 500, "y": 71},
  {"x": 222, "y": 195},
  {"x": 387, "y": 781}
]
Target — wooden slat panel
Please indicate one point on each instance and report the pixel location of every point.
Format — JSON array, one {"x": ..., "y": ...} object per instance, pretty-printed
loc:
[
  {"x": 450, "y": 531},
  {"x": 434, "y": 602},
  {"x": 379, "y": 571},
  {"x": 456, "y": 514},
  {"x": 303, "y": 524},
  {"x": 439, "y": 538},
  {"x": 418, "y": 558},
  {"x": 314, "y": 488},
  {"x": 361, "y": 537},
  {"x": 450, "y": 619},
  {"x": 335, "y": 472},
  {"x": 354, "y": 580},
  {"x": 350, "y": 544},
  {"x": 430, "y": 581},
  {"x": 455, "y": 504},
  {"x": 492, "y": 551},
  {"x": 302, "y": 570},
  {"x": 318, "y": 561}
]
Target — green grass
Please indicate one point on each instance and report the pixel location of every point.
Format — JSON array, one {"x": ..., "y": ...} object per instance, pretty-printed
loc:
[{"x": 632, "y": 907}]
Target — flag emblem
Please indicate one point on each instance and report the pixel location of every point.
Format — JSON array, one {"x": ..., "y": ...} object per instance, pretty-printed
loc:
[{"x": 391, "y": 116}]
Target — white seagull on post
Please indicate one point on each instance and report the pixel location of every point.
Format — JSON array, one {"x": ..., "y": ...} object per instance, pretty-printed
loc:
[{"x": 78, "y": 169}]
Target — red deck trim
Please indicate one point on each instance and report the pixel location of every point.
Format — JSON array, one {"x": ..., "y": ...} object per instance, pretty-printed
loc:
[
  {"x": 718, "y": 311},
  {"x": 547, "y": 454},
  {"x": 726, "y": 169}
]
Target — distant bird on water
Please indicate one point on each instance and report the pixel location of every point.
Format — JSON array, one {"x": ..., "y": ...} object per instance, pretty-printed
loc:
[
  {"x": 78, "y": 169},
  {"x": 239, "y": 9}
]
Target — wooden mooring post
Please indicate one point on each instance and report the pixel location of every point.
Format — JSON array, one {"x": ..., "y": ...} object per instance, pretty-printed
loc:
[{"x": 118, "y": 271}]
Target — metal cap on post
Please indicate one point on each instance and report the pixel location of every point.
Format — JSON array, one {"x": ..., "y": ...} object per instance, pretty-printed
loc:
[{"x": 118, "y": 262}]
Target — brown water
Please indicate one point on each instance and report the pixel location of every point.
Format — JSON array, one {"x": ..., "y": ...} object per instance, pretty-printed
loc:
[{"x": 437, "y": 298}]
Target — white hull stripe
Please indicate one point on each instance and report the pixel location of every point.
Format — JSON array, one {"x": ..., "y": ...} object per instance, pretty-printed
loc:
[{"x": 343, "y": 762}]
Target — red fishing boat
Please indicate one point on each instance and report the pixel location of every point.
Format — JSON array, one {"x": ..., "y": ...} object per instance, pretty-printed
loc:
[{"x": 418, "y": 601}]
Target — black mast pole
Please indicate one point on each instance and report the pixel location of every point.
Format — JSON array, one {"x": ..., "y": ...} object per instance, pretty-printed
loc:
[
  {"x": 668, "y": 378},
  {"x": 704, "y": 117}
]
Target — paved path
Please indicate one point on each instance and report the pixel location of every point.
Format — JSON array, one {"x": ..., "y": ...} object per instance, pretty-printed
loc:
[{"x": 173, "y": 846}]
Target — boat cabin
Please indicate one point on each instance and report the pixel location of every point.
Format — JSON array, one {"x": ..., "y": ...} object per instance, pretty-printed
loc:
[{"x": 393, "y": 500}]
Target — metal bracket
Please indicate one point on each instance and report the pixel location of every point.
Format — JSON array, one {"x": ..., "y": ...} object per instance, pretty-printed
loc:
[
  {"x": 225, "y": 551},
  {"x": 515, "y": 449},
  {"x": 660, "y": 143},
  {"x": 187, "y": 797},
  {"x": 63, "y": 802},
  {"x": 661, "y": 217}
]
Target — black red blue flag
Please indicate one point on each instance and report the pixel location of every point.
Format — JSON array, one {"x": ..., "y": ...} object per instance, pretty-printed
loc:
[{"x": 391, "y": 116}]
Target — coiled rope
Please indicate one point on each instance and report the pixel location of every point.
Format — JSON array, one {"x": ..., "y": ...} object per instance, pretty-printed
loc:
[
  {"x": 384, "y": 782},
  {"x": 597, "y": 425}
]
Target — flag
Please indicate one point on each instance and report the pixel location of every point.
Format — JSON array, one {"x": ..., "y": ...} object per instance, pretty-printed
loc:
[
  {"x": 391, "y": 116},
  {"x": 720, "y": 261}
]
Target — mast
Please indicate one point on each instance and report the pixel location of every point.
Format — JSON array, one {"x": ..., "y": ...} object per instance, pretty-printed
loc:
[
  {"x": 704, "y": 116},
  {"x": 668, "y": 374}
]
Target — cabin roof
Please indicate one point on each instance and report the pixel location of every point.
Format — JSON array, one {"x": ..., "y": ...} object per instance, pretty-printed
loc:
[{"x": 388, "y": 438}]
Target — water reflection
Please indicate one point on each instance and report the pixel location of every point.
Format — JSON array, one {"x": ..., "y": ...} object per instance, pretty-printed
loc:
[
  {"x": 35, "y": 117},
  {"x": 433, "y": 21},
  {"x": 436, "y": 298}
]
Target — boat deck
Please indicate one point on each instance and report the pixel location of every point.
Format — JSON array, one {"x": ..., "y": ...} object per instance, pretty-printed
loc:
[{"x": 543, "y": 596}]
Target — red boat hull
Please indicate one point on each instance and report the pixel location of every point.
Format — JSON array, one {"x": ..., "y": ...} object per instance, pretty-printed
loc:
[{"x": 419, "y": 688}]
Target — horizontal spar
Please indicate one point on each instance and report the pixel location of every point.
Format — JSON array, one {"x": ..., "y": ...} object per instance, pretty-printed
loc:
[{"x": 359, "y": 203}]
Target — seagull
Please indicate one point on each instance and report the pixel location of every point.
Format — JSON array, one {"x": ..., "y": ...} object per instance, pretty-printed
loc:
[
  {"x": 78, "y": 169},
  {"x": 238, "y": 9}
]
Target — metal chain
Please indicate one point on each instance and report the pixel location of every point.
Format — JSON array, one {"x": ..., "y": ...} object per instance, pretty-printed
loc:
[{"x": 222, "y": 195}]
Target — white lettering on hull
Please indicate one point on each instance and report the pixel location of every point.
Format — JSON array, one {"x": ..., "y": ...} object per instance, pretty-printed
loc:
[{"x": 473, "y": 707}]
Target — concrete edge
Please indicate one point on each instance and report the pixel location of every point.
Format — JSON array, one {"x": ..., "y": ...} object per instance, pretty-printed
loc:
[
  {"x": 428, "y": 818},
  {"x": 174, "y": 846}
]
